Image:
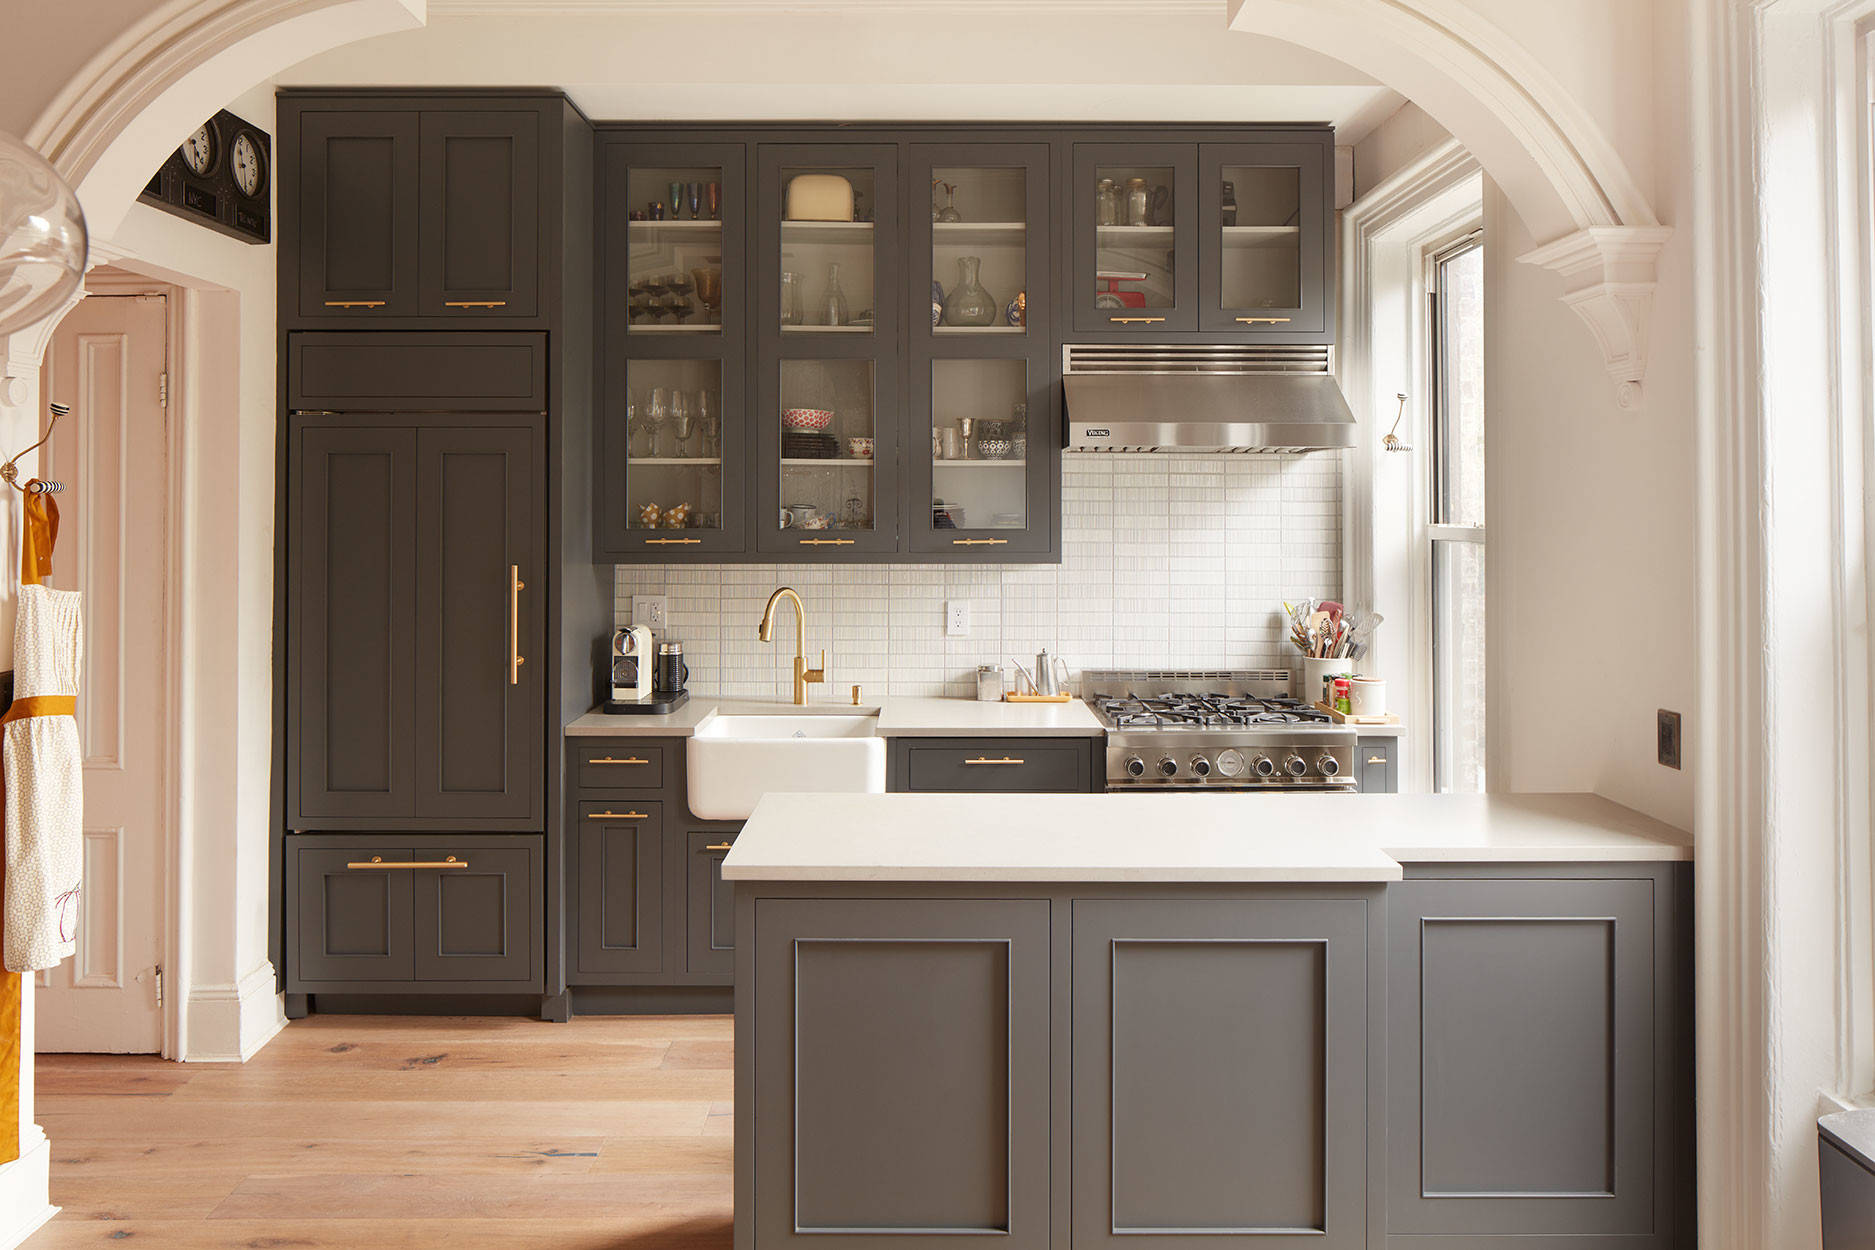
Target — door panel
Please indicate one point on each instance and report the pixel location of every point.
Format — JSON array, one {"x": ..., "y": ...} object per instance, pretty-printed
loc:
[
  {"x": 353, "y": 923},
  {"x": 481, "y": 213},
  {"x": 1151, "y": 267},
  {"x": 477, "y": 923},
  {"x": 478, "y": 743},
  {"x": 621, "y": 887},
  {"x": 353, "y": 613},
  {"x": 710, "y": 904},
  {"x": 1220, "y": 1074},
  {"x": 358, "y": 214},
  {"x": 1267, "y": 258}
]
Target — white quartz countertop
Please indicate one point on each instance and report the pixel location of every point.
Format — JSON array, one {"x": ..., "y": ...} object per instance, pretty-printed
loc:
[
  {"x": 1854, "y": 1131},
  {"x": 899, "y": 717},
  {"x": 1157, "y": 837}
]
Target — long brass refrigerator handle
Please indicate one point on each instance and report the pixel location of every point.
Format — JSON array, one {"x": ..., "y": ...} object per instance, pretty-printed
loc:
[
  {"x": 378, "y": 862},
  {"x": 515, "y": 658}
]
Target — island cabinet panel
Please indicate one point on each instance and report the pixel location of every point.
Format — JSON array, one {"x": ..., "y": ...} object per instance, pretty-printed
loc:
[
  {"x": 912, "y": 1069},
  {"x": 1524, "y": 1085},
  {"x": 1220, "y": 1073}
]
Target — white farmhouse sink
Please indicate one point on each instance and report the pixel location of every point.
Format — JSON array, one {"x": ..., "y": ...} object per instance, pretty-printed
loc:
[{"x": 735, "y": 760}]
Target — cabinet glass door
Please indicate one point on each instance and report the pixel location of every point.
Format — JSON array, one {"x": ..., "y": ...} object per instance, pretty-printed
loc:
[
  {"x": 1135, "y": 237},
  {"x": 828, "y": 493},
  {"x": 828, "y": 203},
  {"x": 672, "y": 425},
  {"x": 1265, "y": 210},
  {"x": 982, "y": 248},
  {"x": 987, "y": 470}
]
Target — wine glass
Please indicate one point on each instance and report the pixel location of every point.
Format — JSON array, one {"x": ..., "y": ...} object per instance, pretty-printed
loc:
[
  {"x": 676, "y": 200},
  {"x": 707, "y": 421},
  {"x": 659, "y": 418},
  {"x": 693, "y": 194},
  {"x": 683, "y": 422}
]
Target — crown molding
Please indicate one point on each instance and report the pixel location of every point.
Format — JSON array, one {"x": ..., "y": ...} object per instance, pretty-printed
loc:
[{"x": 1609, "y": 277}]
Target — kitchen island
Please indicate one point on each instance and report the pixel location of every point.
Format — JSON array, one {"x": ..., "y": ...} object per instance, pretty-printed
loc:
[{"x": 1302, "y": 1020}]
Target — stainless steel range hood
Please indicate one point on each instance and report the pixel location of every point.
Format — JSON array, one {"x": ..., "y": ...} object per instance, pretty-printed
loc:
[{"x": 1204, "y": 399}]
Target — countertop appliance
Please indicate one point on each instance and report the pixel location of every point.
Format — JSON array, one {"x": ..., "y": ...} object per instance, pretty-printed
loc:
[
  {"x": 1214, "y": 730},
  {"x": 632, "y": 673},
  {"x": 1199, "y": 398}
]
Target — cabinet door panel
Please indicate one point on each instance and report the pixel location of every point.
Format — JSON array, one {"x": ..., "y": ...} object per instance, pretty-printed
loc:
[
  {"x": 620, "y": 887},
  {"x": 353, "y": 613},
  {"x": 710, "y": 910},
  {"x": 481, "y": 213},
  {"x": 358, "y": 214},
  {"x": 1267, "y": 263},
  {"x": 1220, "y": 1073},
  {"x": 479, "y": 740},
  {"x": 917, "y": 1064},
  {"x": 477, "y": 923},
  {"x": 352, "y": 924},
  {"x": 1523, "y": 1106},
  {"x": 1135, "y": 276}
]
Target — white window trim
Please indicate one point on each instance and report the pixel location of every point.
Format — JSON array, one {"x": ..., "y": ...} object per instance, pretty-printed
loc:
[{"x": 1387, "y": 236}]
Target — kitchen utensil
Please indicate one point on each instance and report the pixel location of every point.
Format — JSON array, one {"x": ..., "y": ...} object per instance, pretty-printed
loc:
[
  {"x": 1051, "y": 674},
  {"x": 807, "y": 418},
  {"x": 819, "y": 197},
  {"x": 1363, "y": 631}
]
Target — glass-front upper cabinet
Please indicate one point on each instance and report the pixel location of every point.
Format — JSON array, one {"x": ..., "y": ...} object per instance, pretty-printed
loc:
[
  {"x": 983, "y": 247},
  {"x": 672, "y": 421},
  {"x": 992, "y": 466},
  {"x": 1136, "y": 244},
  {"x": 1265, "y": 263},
  {"x": 828, "y": 269}
]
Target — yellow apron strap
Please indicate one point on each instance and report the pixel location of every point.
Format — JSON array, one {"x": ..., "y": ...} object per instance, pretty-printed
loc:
[{"x": 37, "y": 537}]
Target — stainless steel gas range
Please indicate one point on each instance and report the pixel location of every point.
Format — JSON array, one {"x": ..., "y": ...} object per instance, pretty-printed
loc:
[{"x": 1238, "y": 730}]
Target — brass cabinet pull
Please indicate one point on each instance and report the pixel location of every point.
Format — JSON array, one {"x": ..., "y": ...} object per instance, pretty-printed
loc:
[
  {"x": 1376, "y": 759},
  {"x": 377, "y": 861},
  {"x": 978, "y": 542},
  {"x": 616, "y": 816},
  {"x": 1135, "y": 321},
  {"x": 717, "y": 846},
  {"x": 671, "y": 542},
  {"x": 1005, "y": 760},
  {"x": 354, "y": 303},
  {"x": 606, "y": 759},
  {"x": 828, "y": 542},
  {"x": 475, "y": 303},
  {"x": 515, "y": 658},
  {"x": 1263, "y": 321}
]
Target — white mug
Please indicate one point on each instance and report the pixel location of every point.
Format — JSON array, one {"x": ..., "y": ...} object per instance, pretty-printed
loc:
[{"x": 1367, "y": 696}]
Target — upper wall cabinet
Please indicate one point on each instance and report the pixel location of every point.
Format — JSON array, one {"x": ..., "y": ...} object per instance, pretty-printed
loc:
[
  {"x": 411, "y": 216},
  {"x": 1265, "y": 259}
]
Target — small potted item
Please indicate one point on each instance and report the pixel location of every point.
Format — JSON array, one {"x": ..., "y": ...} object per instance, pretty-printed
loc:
[
  {"x": 648, "y": 516},
  {"x": 678, "y": 517}
]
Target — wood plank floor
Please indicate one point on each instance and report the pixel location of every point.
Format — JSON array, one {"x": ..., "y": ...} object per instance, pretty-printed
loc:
[{"x": 402, "y": 1133}]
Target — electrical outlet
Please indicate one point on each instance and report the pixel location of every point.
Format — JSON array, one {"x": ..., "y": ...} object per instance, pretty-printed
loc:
[
  {"x": 956, "y": 618},
  {"x": 648, "y": 610},
  {"x": 1668, "y": 732}
]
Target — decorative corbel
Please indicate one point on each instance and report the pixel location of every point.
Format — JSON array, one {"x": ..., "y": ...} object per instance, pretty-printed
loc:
[{"x": 1609, "y": 276}]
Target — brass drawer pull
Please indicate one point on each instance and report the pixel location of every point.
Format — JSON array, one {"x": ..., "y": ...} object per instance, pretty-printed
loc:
[
  {"x": 828, "y": 542},
  {"x": 1135, "y": 321},
  {"x": 672, "y": 542},
  {"x": 717, "y": 846},
  {"x": 616, "y": 816},
  {"x": 354, "y": 303},
  {"x": 979, "y": 542},
  {"x": 1005, "y": 760},
  {"x": 607, "y": 759},
  {"x": 515, "y": 658},
  {"x": 475, "y": 303},
  {"x": 1376, "y": 759},
  {"x": 377, "y": 861},
  {"x": 1263, "y": 321}
]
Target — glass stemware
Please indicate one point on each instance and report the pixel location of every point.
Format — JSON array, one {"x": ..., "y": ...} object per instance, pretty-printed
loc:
[
  {"x": 693, "y": 195},
  {"x": 658, "y": 417},
  {"x": 683, "y": 423},
  {"x": 707, "y": 421},
  {"x": 676, "y": 200}
]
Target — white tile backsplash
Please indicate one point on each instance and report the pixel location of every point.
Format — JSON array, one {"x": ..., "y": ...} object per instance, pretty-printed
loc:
[{"x": 1168, "y": 561}]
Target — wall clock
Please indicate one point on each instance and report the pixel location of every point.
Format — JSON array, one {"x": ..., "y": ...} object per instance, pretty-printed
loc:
[{"x": 221, "y": 177}]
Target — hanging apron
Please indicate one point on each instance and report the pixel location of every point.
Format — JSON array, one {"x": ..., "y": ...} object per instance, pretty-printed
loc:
[{"x": 42, "y": 764}]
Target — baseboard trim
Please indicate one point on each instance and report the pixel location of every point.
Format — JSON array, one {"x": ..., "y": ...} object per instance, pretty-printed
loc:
[
  {"x": 25, "y": 1186},
  {"x": 230, "y": 1023}
]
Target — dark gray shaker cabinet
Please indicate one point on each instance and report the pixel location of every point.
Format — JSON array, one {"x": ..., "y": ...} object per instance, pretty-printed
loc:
[
  {"x": 1378, "y": 764},
  {"x": 710, "y": 910},
  {"x": 358, "y": 219},
  {"x": 620, "y": 887},
  {"x": 916, "y": 1071},
  {"x": 479, "y": 180},
  {"x": 1846, "y": 1176},
  {"x": 1220, "y": 1073},
  {"x": 993, "y": 765}
]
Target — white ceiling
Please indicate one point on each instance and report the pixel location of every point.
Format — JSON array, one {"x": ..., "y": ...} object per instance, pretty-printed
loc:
[{"x": 965, "y": 60}]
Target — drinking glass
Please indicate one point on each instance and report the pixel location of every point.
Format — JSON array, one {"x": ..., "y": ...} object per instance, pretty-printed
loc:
[
  {"x": 683, "y": 422},
  {"x": 676, "y": 190},
  {"x": 659, "y": 418},
  {"x": 707, "y": 422},
  {"x": 694, "y": 195}
]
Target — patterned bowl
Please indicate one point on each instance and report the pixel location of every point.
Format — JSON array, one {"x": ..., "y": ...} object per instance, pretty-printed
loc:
[
  {"x": 807, "y": 418},
  {"x": 859, "y": 448},
  {"x": 993, "y": 448}
]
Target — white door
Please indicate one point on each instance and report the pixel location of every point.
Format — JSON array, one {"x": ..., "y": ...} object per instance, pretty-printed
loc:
[{"x": 108, "y": 361}]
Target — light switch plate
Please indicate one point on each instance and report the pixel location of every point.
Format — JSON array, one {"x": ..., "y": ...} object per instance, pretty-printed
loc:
[
  {"x": 1667, "y": 731},
  {"x": 648, "y": 610},
  {"x": 956, "y": 618}
]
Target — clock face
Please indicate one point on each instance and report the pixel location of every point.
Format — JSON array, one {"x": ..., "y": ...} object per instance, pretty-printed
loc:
[
  {"x": 198, "y": 151},
  {"x": 244, "y": 163}
]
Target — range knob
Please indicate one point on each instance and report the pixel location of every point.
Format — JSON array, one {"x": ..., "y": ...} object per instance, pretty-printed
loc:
[
  {"x": 1295, "y": 766},
  {"x": 1231, "y": 763},
  {"x": 1135, "y": 767},
  {"x": 1328, "y": 765},
  {"x": 1264, "y": 767},
  {"x": 1200, "y": 766},
  {"x": 1168, "y": 767}
]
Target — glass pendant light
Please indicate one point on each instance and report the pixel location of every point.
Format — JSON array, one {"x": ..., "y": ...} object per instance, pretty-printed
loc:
[{"x": 43, "y": 242}]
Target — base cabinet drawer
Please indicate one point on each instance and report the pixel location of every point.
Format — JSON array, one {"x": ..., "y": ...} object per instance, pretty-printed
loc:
[
  {"x": 710, "y": 904},
  {"x": 371, "y": 913},
  {"x": 606, "y": 764},
  {"x": 991, "y": 765}
]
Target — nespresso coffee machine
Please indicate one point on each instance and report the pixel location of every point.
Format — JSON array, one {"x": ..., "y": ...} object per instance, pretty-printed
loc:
[{"x": 634, "y": 678}]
